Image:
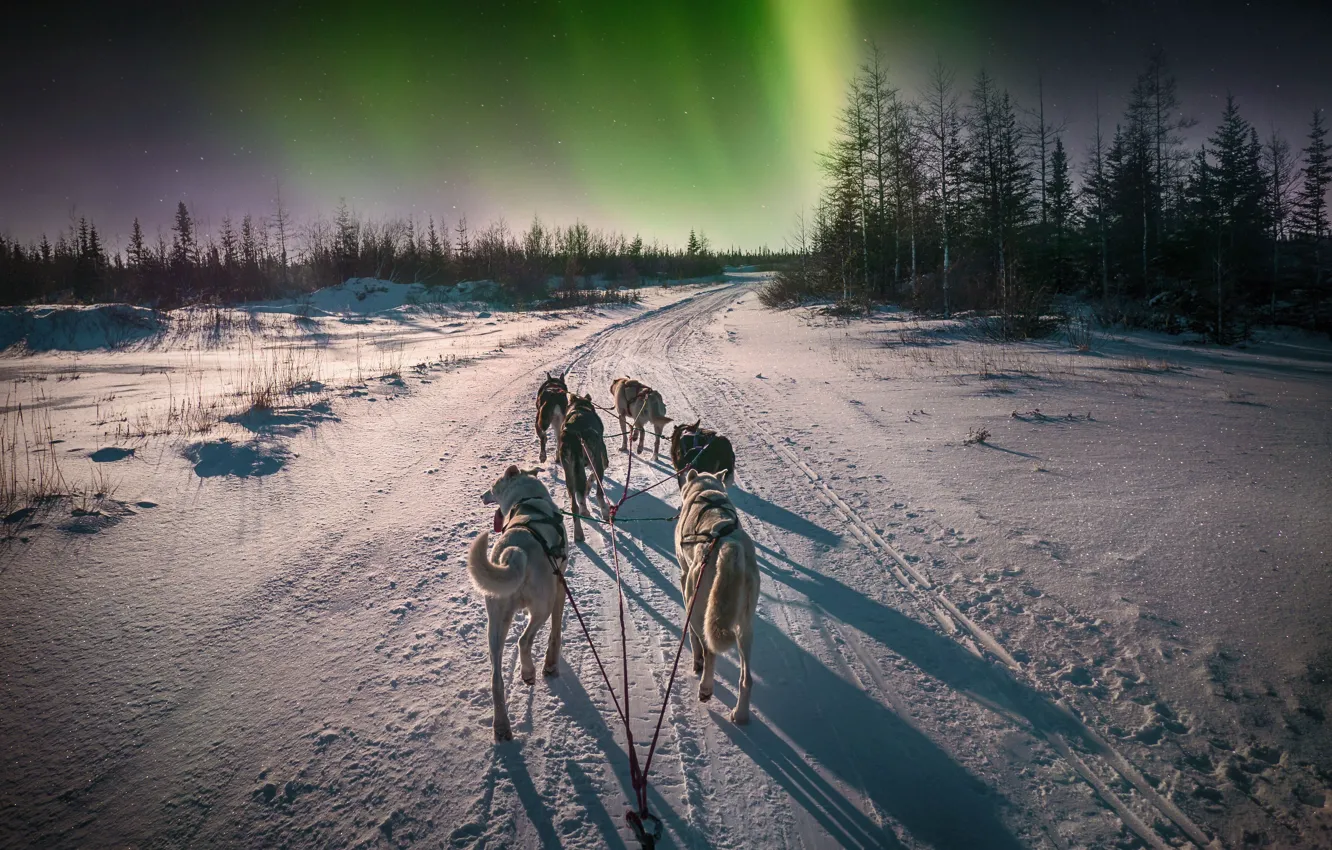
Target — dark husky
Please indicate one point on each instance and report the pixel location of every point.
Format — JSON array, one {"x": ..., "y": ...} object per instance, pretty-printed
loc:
[
  {"x": 701, "y": 449},
  {"x": 552, "y": 404},
  {"x": 582, "y": 442}
]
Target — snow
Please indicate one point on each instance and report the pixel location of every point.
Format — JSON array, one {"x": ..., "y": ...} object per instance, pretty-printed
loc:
[
  {"x": 1109, "y": 616},
  {"x": 77, "y": 328}
]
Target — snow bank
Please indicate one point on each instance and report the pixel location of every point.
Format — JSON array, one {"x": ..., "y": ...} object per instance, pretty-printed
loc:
[
  {"x": 78, "y": 327},
  {"x": 366, "y": 296}
]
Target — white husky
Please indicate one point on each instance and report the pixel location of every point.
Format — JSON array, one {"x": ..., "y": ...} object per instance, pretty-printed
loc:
[
  {"x": 637, "y": 404},
  {"x": 717, "y": 556},
  {"x": 525, "y": 572}
]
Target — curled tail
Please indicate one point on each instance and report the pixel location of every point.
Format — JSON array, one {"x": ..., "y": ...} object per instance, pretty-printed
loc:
[
  {"x": 726, "y": 597},
  {"x": 502, "y": 579}
]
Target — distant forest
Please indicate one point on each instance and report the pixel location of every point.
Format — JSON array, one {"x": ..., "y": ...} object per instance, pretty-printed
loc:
[
  {"x": 274, "y": 256},
  {"x": 963, "y": 200}
]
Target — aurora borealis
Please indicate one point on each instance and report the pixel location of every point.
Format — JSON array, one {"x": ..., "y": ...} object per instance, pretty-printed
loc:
[{"x": 640, "y": 117}]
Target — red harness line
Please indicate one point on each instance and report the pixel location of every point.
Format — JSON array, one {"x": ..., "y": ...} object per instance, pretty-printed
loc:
[{"x": 637, "y": 819}]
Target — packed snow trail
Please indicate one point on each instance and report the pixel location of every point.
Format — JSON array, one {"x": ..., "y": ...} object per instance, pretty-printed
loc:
[{"x": 300, "y": 659}]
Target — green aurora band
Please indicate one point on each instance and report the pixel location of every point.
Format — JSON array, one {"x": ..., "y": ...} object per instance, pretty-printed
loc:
[{"x": 651, "y": 118}]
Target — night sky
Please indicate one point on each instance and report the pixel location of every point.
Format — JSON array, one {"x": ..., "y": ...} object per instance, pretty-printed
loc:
[{"x": 639, "y": 117}]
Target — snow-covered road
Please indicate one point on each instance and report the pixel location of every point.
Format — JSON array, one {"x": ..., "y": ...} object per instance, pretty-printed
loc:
[{"x": 300, "y": 660}]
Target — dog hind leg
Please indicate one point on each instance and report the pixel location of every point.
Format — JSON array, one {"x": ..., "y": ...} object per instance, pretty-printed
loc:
[
  {"x": 745, "y": 643},
  {"x": 525, "y": 641},
  {"x": 709, "y": 666},
  {"x": 551, "y": 667},
  {"x": 571, "y": 484},
  {"x": 500, "y": 617}
]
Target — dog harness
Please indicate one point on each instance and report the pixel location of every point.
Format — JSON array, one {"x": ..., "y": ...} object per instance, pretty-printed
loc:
[
  {"x": 584, "y": 423},
  {"x": 711, "y": 501},
  {"x": 695, "y": 443},
  {"x": 537, "y": 524}
]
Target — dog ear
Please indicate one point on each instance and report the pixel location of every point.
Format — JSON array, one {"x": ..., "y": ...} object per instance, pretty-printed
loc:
[
  {"x": 532, "y": 472},
  {"x": 697, "y": 422},
  {"x": 548, "y": 377},
  {"x": 721, "y": 476},
  {"x": 511, "y": 471},
  {"x": 691, "y": 475}
]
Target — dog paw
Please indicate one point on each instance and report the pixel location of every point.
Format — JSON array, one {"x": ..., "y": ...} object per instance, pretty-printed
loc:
[
  {"x": 704, "y": 694},
  {"x": 739, "y": 718}
]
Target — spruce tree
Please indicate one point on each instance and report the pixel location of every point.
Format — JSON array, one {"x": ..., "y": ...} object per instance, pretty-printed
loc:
[
  {"x": 183, "y": 244},
  {"x": 1059, "y": 210},
  {"x": 1311, "y": 212},
  {"x": 947, "y": 158},
  {"x": 229, "y": 244},
  {"x": 1097, "y": 194},
  {"x": 136, "y": 253}
]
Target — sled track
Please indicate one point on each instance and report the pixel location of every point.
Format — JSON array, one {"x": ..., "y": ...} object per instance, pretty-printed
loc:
[
  {"x": 934, "y": 600},
  {"x": 660, "y": 336}
]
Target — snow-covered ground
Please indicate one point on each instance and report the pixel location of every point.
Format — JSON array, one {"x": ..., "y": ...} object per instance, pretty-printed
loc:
[{"x": 1103, "y": 626}]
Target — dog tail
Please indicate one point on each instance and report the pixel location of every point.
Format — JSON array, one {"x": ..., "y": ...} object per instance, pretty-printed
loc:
[
  {"x": 502, "y": 579},
  {"x": 726, "y": 597}
]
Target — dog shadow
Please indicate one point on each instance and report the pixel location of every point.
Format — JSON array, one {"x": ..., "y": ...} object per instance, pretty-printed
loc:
[
  {"x": 806, "y": 715},
  {"x": 937, "y": 655},
  {"x": 774, "y": 514},
  {"x": 514, "y": 762},
  {"x": 750, "y": 503}
]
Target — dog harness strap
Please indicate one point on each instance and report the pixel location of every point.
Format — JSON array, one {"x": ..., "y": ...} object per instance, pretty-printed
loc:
[
  {"x": 557, "y": 552},
  {"x": 707, "y": 502}
]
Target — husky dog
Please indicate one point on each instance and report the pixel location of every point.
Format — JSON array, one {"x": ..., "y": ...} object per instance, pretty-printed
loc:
[
  {"x": 717, "y": 557},
  {"x": 701, "y": 449},
  {"x": 527, "y": 572},
  {"x": 552, "y": 402},
  {"x": 640, "y": 404},
  {"x": 583, "y": 442}
]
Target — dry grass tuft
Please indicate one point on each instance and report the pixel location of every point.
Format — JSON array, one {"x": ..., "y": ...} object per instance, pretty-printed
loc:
[
  {"x": 29, "y": 466},
  {"x": 1144, "y": 364},
  {"x": 976, "y": 435}
]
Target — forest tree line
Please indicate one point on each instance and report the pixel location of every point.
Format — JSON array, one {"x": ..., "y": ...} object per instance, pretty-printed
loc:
[
  {"x": 962, "y": 200},
  {"x": 272, "y": 256}
]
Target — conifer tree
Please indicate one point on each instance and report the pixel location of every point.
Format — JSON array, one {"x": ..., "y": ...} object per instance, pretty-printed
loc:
[
  {"x": 1311, "y": 213},
  {"x": 943, "y": 119},
  {"x": 1059, "y": 209},
  {"x": 136, "y": 253}
]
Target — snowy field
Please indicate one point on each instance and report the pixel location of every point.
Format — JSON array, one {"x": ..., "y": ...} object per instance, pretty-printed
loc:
[{"x": 1102, "y": 625}]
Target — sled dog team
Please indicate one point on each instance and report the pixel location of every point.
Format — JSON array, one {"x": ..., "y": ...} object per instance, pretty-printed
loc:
[{"x": 525, "y": 570}]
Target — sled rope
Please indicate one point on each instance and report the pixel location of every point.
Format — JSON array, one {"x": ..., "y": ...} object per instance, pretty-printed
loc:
[
  {"x": 646, "y": 826},
  {"x": 623, "y": 519}
]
